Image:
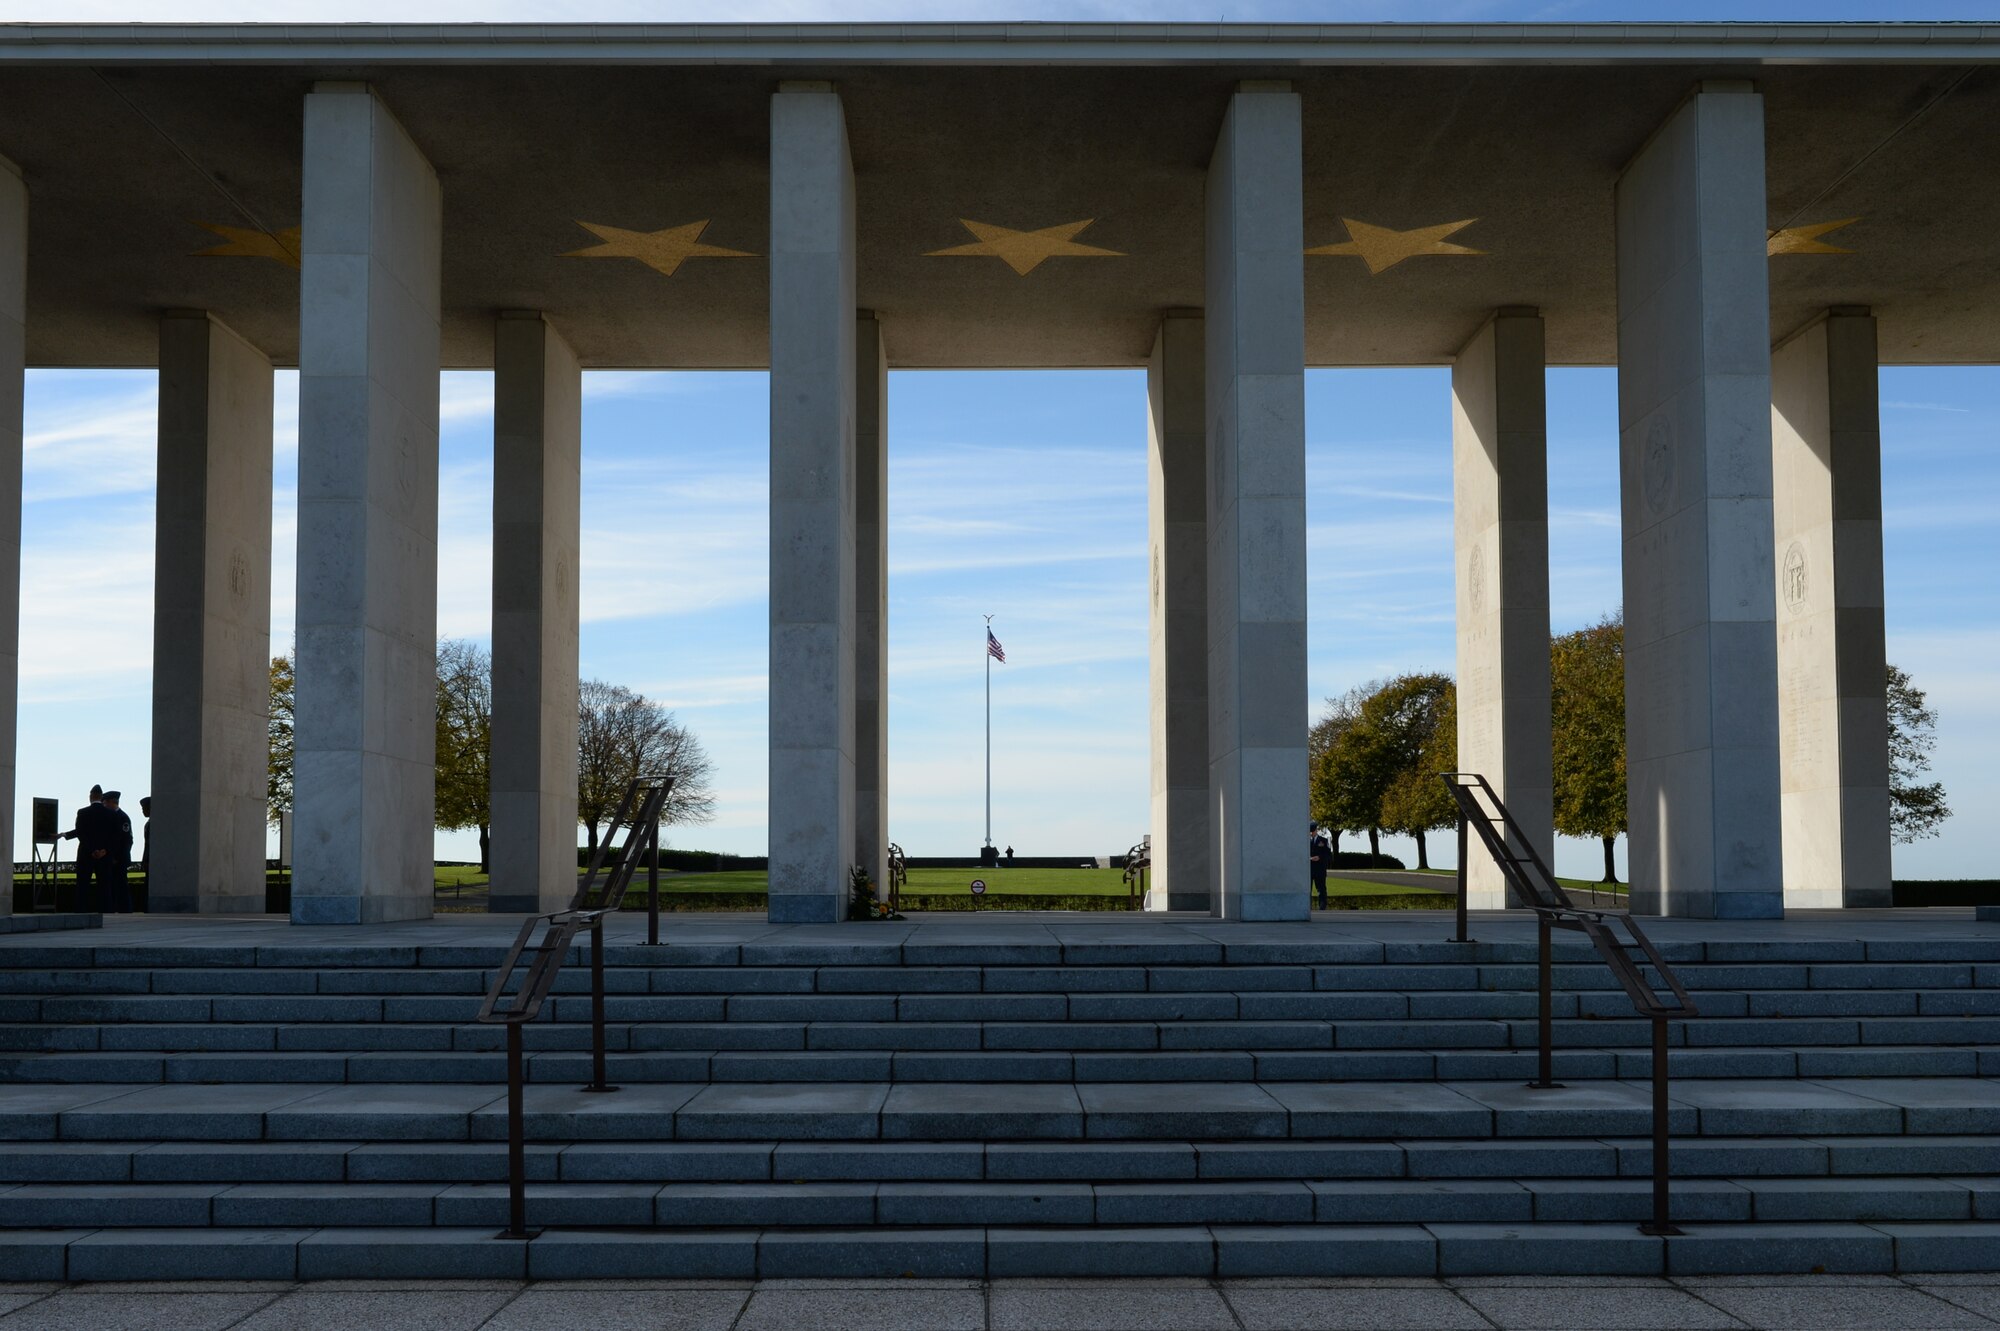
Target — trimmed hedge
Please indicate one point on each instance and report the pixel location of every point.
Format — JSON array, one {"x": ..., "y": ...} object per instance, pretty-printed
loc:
[
  {"x": 1361, "y": 859},
  {"x": 1947, "y": 892},
  {"x": 673, "y": 902}
]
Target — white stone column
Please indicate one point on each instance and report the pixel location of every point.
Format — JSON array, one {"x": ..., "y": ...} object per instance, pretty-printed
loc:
[
  {"x": 1500, "y": 513},
  {"x": 365, "y": 738},
  {"x": 211, "y": 620},
  {"x": 812, "y": 505},
  {"x": 537, "y": 507},
  {"x": 1694, "y": 392},
  {"x": 1177, "y": 554},
  {"x": 13, "y": 364},
  {"x": 871, "y": 601},
  {"x": 1833, "y": 716},
  {"x": 1255, "y": 401}
]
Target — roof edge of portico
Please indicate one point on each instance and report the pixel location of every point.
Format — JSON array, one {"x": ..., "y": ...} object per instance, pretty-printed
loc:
[{"x": 996, "y": 43}]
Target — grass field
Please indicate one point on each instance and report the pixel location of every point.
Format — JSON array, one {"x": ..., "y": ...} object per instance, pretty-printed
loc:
[
  {"x": 1068, "y": 882},
  {"x": 466, "y": 880},
  {"x": 1575, "y": 884}
]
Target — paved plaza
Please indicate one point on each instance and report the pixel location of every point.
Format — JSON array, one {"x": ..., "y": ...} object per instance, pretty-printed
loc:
[{"x": 1494, "y": 1303}]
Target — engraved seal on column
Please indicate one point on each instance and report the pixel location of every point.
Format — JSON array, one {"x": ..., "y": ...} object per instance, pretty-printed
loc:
[
  {"x": 1793, "y": 584},
  {"x": 239, "y": 575},
  {"x": 1656, "y": 465}
]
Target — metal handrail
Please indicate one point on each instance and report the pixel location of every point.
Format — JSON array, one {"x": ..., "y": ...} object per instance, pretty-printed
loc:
[
  {"x": 645, "y": 799},
  {"x": 899, "y": 876},
  {"x": 1533, "y": 885},
  {"x": 1138, "y": 861}
]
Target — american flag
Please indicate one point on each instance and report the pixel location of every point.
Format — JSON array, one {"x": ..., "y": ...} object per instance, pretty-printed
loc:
[{"x": 994, "y": 649}]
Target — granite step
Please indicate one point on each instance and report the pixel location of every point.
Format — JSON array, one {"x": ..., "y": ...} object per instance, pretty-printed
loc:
[
  {"x": 573, "y": 1064},
  {"x": 1583, "y": 972},
  {"x": 659, "y": 1163},
  {"x": 1003, "y": 1110},
  {"x": 945, "y": 1203},
  {"x": 1081, "y": 1022},
  {"x": 1446, "y": 1249}
]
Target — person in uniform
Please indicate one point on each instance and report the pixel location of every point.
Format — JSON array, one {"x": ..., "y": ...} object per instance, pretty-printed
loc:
[
  {"x": 1321, "y": 859},
  {"x": 88, "y": 833},
  {"x": 144, "y": 896},
  {"x": 112, "y": 880}
]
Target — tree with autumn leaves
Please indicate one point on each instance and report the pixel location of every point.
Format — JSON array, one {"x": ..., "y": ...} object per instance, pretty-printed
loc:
[
  {"x": 1377, "y": 750},
  {"x": 1375, "y": 757}
]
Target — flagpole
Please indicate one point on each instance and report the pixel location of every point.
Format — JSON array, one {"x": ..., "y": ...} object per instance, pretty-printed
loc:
[{"x": 986, "y": 651}]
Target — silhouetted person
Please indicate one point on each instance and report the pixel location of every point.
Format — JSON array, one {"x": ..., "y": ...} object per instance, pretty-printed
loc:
[
  {"x": 146, "y": 851},
  {"x": 117, "y": 888},
  {"x": 90, "y": 834},
  {"x": 1321, "y": 860}
]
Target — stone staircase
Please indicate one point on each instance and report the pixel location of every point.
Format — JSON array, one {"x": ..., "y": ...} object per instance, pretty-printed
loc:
[{"x": 1000, "y": 1099}]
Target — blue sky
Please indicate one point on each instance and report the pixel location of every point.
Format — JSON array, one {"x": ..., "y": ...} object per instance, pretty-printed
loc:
[{"x": 1017, "y": 494}]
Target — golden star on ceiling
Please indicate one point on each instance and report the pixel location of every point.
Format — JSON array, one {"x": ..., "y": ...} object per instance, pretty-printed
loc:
[
  {"x": 1806, "y": 239},
  {"x": 1025, "y": 251},
  {"x": 663, "y": 251},
  {"x": 1382, "y": 248},
  {"x": 250, "y": 243}
]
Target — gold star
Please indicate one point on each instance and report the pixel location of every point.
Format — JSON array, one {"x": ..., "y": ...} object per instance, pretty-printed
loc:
[
  {"x": 662, "y": 251},
  {"x": 1025, "y": 251},
  {"x": 1382, "y": 249},
  {"x": 250, "y": 243},
  {"x": 1806, "y": 239}
]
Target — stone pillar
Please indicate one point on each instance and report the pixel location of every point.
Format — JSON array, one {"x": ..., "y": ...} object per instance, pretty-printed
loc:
[
  {"x": 13, "y": 364},
  {"x": 1694, "y": 393},
  {"x": 812, "y": 505},
  {"x": 871, "y": 601},
  {"x": 211, "y": 620},
  {"x": 1177, "y": 540},
  {"x": 1833, "y": 716},
  {"x": 365, "y": 751},
  {"x": 1255, "y": 401},
  {"x": 537, "y": 506},
  {"x": 1500, "y": 512}
]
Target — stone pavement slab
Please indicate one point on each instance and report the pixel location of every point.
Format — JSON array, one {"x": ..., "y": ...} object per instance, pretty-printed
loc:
[
  {"x": 1842, "y": 1309},
  {"x": 1931, "y": 1105},
  {"x": 434, "y": 1310},
  {"x": 789, "y": 1110},
  {"x": 379, "y": 1111},
  {"x": 1598, "y": 1308},
  {"x": 925, "y": 1110},
  {"x": 631, "y": 1309},
  {"x": 119, "y": 1310},
  {"x": 1073, "y": 1308},
  {"x": 1575, "y": 1109},
  {"x": 1381, "y": 1109},
  {"x": 863, "y": 1310},
  {"x": 1784, "y": 1108},
  {"x": 1354, "y": 1308},
  {"x": 1180, "y": 1109},
  {"x": 186, "y": 1254}
]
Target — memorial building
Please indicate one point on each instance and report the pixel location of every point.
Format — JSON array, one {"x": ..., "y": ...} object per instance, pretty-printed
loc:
[{"x": 1746, "y": 220}]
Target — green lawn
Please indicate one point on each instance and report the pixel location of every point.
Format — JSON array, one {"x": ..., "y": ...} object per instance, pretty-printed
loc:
[
  {"x": 1068, "y": 882},
  {"x": 1574, "y": 884}
]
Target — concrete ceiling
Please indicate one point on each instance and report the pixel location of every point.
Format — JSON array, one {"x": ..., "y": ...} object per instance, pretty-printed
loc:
[{"x": 126, "y": 156}]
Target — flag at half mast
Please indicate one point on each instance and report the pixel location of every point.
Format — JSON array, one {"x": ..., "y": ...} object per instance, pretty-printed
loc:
[{"x": 994, "y": 649}]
